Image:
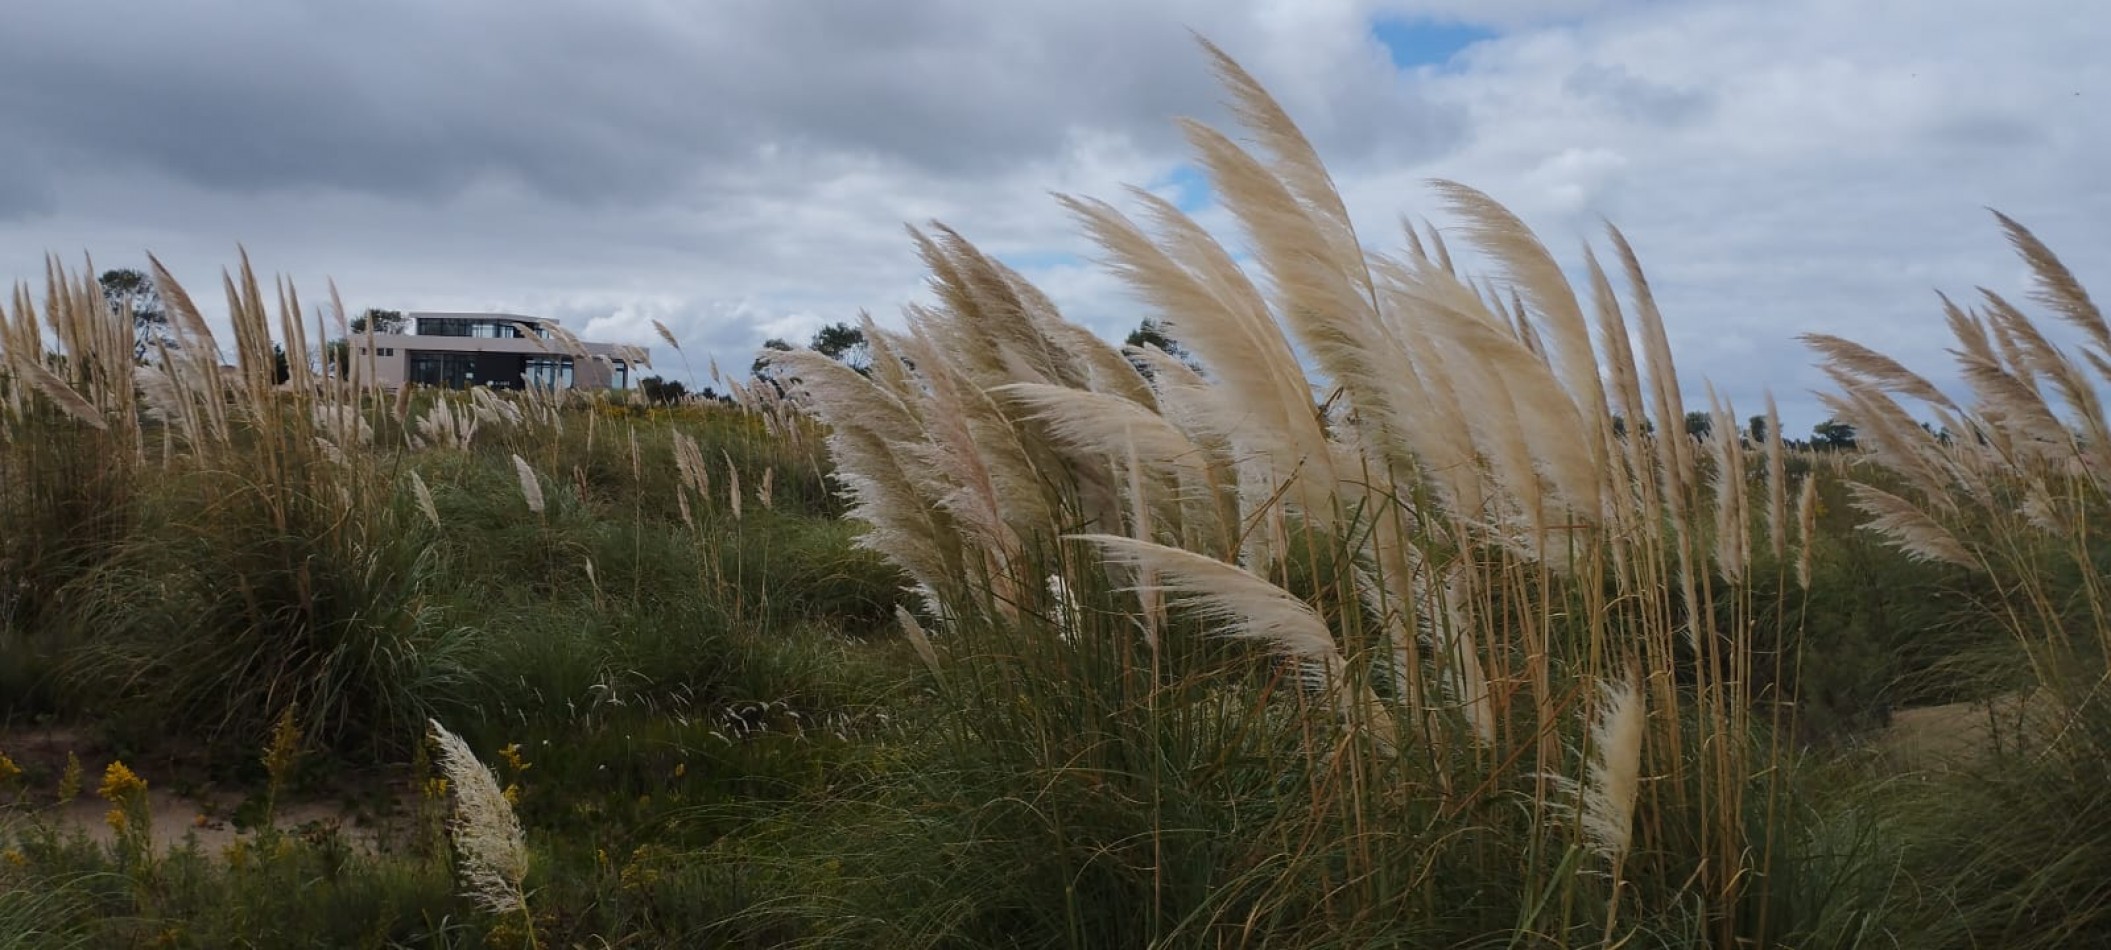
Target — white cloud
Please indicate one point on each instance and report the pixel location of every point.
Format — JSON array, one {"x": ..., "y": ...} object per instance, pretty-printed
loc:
[{"x": 745, "y": 169}]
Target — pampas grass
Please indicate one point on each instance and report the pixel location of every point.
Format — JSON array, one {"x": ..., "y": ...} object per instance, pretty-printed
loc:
[
  {"x": 1608, "y": 805},
  {"x": 60, "y": 394},
  {"x": 1362, "y": 440},
  {"x": 423, "y": 495},
  {"x": 487, "y": 835},
  {"x": 530, "y": 485}
]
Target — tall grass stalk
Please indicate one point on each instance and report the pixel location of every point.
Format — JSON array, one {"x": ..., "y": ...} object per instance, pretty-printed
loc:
[{"x": 1448, "y": 525}]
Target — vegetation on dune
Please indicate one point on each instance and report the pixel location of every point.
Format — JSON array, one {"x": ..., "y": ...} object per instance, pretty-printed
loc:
[{"x": 1362, "y": 599}]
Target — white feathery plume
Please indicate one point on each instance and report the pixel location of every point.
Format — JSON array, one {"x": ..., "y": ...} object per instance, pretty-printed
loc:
[
  {"x": 1103, "y": 424},
  {"x": 733, "y": 484},
  {"x": 31, "y": 367},
  {"x": 918, "y": 639},
  {"x": 487, "y": 835},
  {"x": 1908, "y": 528},
  {"x": 424, "y": 498},
  {"x": 666, "y": 334},
  {"x": 1616, "y": 769},
  {"x": 1249, "y": 607},
  {"x": 530, "y": 486}
]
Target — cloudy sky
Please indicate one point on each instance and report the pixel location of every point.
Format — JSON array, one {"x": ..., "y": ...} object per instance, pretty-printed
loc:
[{"x": 742, "y": 169}]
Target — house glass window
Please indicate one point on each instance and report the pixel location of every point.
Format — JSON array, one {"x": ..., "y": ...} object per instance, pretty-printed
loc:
[
  {"x": 451, "y": 370},
  {"x": 554, "y": 372},
  {"x": 478, "y": 329}
]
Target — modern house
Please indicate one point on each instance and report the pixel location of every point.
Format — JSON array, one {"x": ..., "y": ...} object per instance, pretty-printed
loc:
[{"x": 499, "y": 350}]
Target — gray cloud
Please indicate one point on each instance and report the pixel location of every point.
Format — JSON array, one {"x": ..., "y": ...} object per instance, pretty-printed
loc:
[
  {"x": 742, "y": 168},
  {"x": 601, "y": 102},
  {"x": 1636, "y": 97}
]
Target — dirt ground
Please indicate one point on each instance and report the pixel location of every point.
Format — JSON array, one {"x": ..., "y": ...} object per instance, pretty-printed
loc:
[{"x": 184, "y": 806}]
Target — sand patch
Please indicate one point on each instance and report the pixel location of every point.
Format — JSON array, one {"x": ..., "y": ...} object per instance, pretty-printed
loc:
[{"x": 184, "y": 810}]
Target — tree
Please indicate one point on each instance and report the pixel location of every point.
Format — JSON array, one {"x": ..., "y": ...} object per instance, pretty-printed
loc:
[
  {"x": 1757, "y": 427},
  {"x": 1833, "y": 434},
  {"x": 1699, "y": 424},
  {"x": 1152, "y": 332},
  {"x": 762, "y": 369},
  {"x": 338, "y": 355},
  {"x": 383, "y": 321},
  {"x": 659, "y": 391},
  {"x": 125, "y": 288},
  {"x": 844, "y": 344}
]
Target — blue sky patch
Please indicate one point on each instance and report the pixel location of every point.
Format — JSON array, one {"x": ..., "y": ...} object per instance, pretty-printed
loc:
[
  {"x": 1415, "y": 42},
  {"x": 1191, "y": 191}
]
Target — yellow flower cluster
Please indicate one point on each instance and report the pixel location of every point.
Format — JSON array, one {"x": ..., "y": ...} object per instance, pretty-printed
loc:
[
  {"x": 285, "y": 746},
  {"x": 70, "y": 780},
  {"x": 641, "y": 871},
  {"x": 120, "y": 784},
  {"x": 515, "y": 765},
  {"x": 9, "y": 771}
]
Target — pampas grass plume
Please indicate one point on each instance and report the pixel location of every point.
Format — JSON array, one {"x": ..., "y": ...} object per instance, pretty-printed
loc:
[
  {"x": 917, "y": 637},
  {"x": 530, "y": 486},
  {"x": 668, "y": 335},
  {"x": 487, "y": 835},
  {"x": 1608, "y": 805},
  {"x": 424, "y": 497},
  {"x": 1908, "y": 528}
]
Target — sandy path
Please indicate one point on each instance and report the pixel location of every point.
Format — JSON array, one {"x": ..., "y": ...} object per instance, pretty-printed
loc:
[{"x": 178, "y": 816}]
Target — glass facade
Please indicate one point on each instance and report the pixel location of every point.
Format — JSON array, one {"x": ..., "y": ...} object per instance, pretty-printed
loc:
[
  {"x": 480, "y": 329},
  {"x": 618, "y": 374},
  {"x": 452, "y": 370},
  {"x": 554, "y": 372}
]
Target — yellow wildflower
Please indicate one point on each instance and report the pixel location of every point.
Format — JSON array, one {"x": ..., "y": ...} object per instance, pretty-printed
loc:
[
  {"x": 511, "y": 754},
  {"x": 436, "y": 788},
  {"x": 9, "y": 771},
  {"x": 511, "y": 794},
  {"x": 70, "y": 780},
  {"x": 681, "y": 769},
  {"x": 117, "y": 820},
  {"x": 14, "y": 858},
  {"x": 285, "y": 745},
  {"x": 120, "y": 783}
]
